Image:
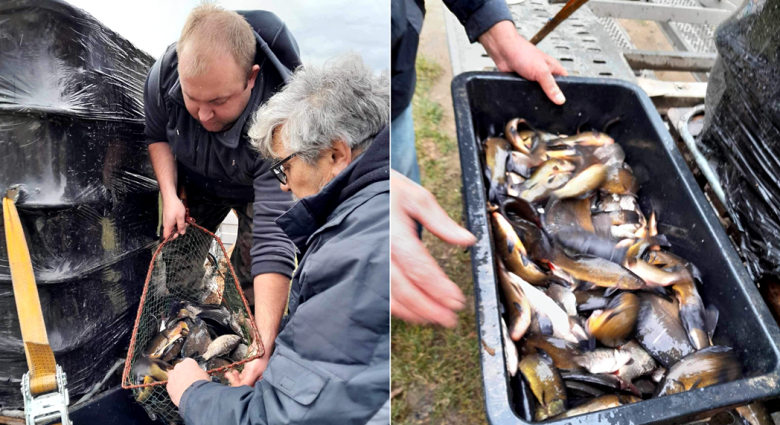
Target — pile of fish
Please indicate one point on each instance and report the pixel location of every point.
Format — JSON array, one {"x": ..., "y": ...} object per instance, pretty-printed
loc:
[
  {"x": 210, "y": 334},
  {"x": 598, "y": 312}
]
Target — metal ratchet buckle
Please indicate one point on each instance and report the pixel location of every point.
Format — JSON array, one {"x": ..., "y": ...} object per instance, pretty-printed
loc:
[{"x": 46, "y": 407}]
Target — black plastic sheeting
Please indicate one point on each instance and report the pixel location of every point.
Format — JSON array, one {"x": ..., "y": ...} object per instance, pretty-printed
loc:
[
  {"x": 741, "y": 137},
  {"x": 71, "y": 131}
]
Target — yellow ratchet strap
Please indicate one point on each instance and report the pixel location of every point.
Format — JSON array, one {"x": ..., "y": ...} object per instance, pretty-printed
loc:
[
  {"x": 40, "y": 357},
  {"x": 44, "y": 386}
]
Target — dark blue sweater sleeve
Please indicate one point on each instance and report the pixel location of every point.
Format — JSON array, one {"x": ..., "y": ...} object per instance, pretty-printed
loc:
[
  {"x": 272, "y": 251},
  {"x": 477, "y": 16},
  {"x": 155, "y": 115}
]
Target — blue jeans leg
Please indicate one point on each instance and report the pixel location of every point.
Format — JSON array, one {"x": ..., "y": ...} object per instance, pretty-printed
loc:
[{"x": 403, "y": 155}]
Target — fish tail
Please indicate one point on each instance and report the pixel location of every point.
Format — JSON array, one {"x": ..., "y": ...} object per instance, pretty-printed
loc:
[{"x": 692, "y": 317}]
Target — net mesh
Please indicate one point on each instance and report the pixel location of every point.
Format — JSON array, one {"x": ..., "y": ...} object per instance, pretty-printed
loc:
[{"x": 192, "y": 267}]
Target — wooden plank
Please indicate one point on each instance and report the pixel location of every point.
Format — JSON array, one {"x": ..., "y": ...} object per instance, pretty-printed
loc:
[
  {"x": 670, "y": 61},
  {"x": 671, "y": 94}
]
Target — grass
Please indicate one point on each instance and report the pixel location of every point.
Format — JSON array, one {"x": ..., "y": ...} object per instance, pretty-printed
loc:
[{"x": 436, "y": 369}]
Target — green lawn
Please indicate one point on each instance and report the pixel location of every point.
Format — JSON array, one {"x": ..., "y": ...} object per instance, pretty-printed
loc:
[{"x": 436, "y": 369}]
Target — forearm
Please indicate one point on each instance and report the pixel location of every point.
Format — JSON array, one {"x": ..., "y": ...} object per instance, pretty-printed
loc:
[
  {"x": 212, "y": 403},
  {"x": 271, "y": 290},
  {"x": 164, "y": 165}
]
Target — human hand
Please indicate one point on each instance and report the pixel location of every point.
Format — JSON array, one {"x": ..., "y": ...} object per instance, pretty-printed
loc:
[
  {"x": 173, "y": 216},
  {"x": 182, "y": 376},
  {"x": 513, "y": 53},
  {"x": 421, "y": 292},
  {"x": 252, "y": 372}
]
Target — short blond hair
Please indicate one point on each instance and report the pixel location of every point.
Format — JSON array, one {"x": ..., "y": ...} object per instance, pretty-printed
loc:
[{"x": 210, "y": 29}]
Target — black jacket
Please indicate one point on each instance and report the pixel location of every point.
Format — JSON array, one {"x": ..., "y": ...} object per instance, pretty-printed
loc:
[
  {"x": 224, "y": 165},
  {"x": 477, "y": 16},
  {"x": 332, "y": 359}
]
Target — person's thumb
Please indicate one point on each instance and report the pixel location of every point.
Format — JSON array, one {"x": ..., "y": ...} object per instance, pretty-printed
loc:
[
  {"x": 424, "y": 208},
  {"x": 180, "y": 223}
]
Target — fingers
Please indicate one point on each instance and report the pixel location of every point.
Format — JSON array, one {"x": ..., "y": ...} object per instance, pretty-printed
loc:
[
  {"x": 416, "y": 264},
  {"x": 422, "y": 206},
  {"x": 550, "y": 87},
  {"x": 167, "y": 229},
  {"x": 233, "y": 378},
  {"x": 555, "y": 67},
  {"x": 402, "y": 312},
  {"x": 418, "y": 302}
]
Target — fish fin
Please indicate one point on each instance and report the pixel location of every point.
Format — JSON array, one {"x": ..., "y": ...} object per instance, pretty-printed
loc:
[
  {"x": 613, "y": 304},
  {"x": 711, "y": 315},
  {"x": 519, "y": 308},
  {"x": 588, "y": 344},
  {"x": 658, "y": 290},
  {"x": 611, "y": 290},
  {"x": 693, "y": 320},
  {"x": 630, "y": 387},
  {"x": 695, "y": 272},
  {"x": 618, "y": 255},
  {"x": 524, "y": 260},
  {"x": 660, "y": 240},
  {"x": 545, "y": 324},
  {"x": 583, "y": 285},
  {"x": 544, "y": 356},
  {"x": 613, "y": 312},
  {"x": 493, "y": 193},
  {"x": 557, "y": 280},
  {"x": 695, "y": 384}
]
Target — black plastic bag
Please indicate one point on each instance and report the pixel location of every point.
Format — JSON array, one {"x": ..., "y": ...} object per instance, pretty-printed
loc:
[
  {"x": 71, "y": 132},
  {"x": 741, "y": 137}
]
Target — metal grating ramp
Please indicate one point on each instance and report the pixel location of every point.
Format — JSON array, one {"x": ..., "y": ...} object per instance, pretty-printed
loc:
[
  {"x": 617, "y": 33},
  {"x": 696, "y": 38}
]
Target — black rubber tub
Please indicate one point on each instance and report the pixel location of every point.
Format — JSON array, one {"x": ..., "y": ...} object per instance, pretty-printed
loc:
[{"x": 483, "y": 103}]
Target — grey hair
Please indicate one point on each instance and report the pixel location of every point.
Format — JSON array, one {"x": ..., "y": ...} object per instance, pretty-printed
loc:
[{"x": 342, "y": 100}]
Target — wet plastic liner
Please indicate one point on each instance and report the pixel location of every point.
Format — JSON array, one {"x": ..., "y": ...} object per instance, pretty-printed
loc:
[
  {"x": 483, "y": 103},
  {"x": 71, "y": 134},
  {"x": 741, "y": 136},
  {"x": 192, "y": 267}
]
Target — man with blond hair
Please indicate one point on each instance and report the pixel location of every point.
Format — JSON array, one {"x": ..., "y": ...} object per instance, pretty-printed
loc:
[{"x": 198, "y": 100}]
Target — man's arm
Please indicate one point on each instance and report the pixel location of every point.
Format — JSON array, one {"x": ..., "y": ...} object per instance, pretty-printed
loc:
[
  {"x": 271, "y": 291},
  {"x": 273, "y": 261},
  {"x": 160, "y": 153},
  {"x": 164, "y": 165}
]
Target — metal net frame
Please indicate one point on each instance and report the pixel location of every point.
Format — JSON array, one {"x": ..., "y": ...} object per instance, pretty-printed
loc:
[{"x": 191, "y": 267}]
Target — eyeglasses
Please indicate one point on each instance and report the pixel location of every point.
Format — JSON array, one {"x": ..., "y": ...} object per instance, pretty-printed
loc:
[{"x": 278, "y": 169}]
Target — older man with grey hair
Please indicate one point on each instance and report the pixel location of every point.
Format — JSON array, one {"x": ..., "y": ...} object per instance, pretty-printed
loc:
[{"x": 328, "y": 132}]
